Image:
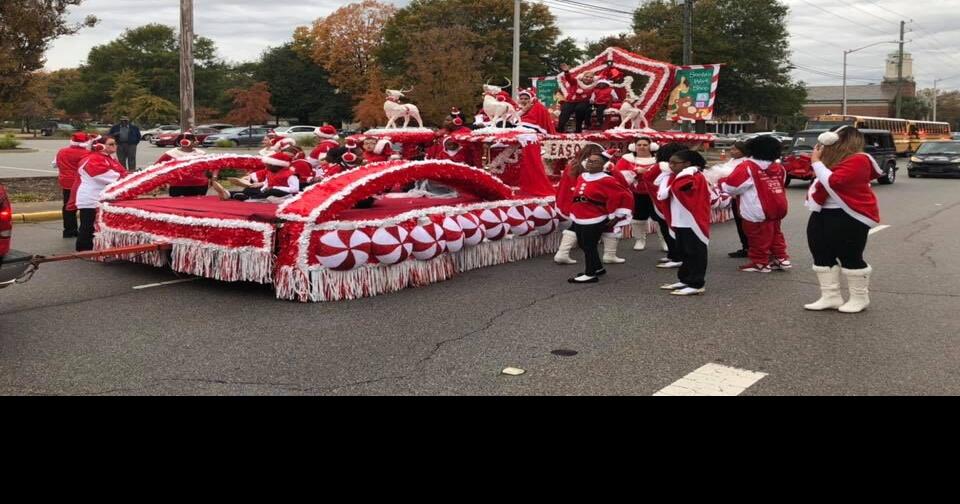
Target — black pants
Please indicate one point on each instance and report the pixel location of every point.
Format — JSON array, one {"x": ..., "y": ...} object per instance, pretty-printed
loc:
[
  {"x": 588, "y": 239},
  {"x": 642, "y": 207},
  {"x": 735, "y": 204},
  {"x": 598, "y": 113},
  {"x": 580, "y": 111},
  {"x": 256, "y": 193},
  {"x": 673, "y": 253},
  {"x": 88, "y": 216},
  {"x": 127, "y": 155},
  {"x": 693, "y": 253},
  {"x": 69, "y": 216},
  {"x": 187, "y": 191},
  {"x": 833, "y": 235}
]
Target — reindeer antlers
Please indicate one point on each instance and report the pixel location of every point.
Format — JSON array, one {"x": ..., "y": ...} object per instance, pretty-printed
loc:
[{"x": 406, "y": 90}]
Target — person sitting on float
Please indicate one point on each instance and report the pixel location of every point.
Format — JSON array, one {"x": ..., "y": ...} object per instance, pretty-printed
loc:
[
  {"x": 277, "y": 180},
  {"x": 268, "y": 143},
  {"x": 188, "y": 184},
  {"x": 533, "y": 114},
  {"x": 327, "y": 139},
  {"x": 378, "y": 150}
]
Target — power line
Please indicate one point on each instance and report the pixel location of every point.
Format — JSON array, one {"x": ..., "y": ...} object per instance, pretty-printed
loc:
[
  {"x": 841, "y": 17},
  {"x": 891, "y": 11},
  {"x": 575, "y": 10},
  {"x": 596, "y": 7},
  {"x": 861, "y": 9}
]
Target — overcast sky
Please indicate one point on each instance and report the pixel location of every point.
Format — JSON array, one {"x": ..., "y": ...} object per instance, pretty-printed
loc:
[{"x": 819, "y": 31}]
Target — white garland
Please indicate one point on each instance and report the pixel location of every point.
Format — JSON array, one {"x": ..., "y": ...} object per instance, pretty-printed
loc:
[
  {"x": 510, "y": 155},
  {"x": 153, "y": 171}
]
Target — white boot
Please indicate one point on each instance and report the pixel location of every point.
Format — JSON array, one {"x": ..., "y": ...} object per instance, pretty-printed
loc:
[
  {"x": 568, "y": 240},
  {"x": 830, "y": 298},
  {"x": 639, "y": 229},
  {"x": 610, "y": 250},
  {"x": 858, "y": 281},
  {"x": 663, "y": 241}
]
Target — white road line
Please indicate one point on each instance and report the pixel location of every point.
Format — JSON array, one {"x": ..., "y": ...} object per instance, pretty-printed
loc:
[
  {"x": 170, "y": 282},
  {"x": 712, "y": 380},
  {"x": 27, "y": 169},
  {"x": 877, "y": 229}
]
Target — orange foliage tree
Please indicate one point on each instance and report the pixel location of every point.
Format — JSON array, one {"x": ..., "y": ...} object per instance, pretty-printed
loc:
[
  {"x": 251, "y": 105},
  {"x": 369, "y": 110},
  {"x": 345, "y": 43}
]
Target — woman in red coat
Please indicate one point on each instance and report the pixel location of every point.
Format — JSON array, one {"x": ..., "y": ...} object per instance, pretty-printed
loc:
[
  {"x": 633, "y": 166},
  {"x": 688, "y": 194},
  {"x": 97, "y": 170},
  {"x": 844, "y": 208}
]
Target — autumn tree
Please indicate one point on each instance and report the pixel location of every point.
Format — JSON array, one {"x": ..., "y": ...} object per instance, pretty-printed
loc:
[
  {"x": 346, "y": 43},
  {"x": 251, "y": 105},
  {"x": 150, "y": 109},
  {"x": 445, "y": 72},
  {"x": 126, "y": 88},
  {"x": 491, "y": 24},
  {"x": 26, "y": 29},
  {"x": 948, "y": 109},
  {"x": 300, "y": 88},
  {"x": 369, "y": 109}
]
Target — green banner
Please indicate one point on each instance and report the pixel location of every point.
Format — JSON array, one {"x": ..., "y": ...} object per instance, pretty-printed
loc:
[
  {"x": 545, "y": 91},
  {"x": 693, "y": 94}
]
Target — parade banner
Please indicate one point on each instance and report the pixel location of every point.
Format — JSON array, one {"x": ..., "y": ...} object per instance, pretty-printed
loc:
[
  {"x": 546, "y": 89},
  {"x": 694, "y": 93}
]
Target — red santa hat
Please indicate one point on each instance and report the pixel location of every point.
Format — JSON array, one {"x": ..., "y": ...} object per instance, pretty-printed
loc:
[
  {"x": 281, "y": 159},
  {"x": 349, "y": 158},
  {"x": 326, "y": 132},
  {"x": 284, "y": 142},
  {"x": 382, "y": 144},
  {"x": 351, "y": 144},
  {"x": 80, "y": 139},
  {"x": 531, "y": 92},
  {"x": 185, "y": 139}
]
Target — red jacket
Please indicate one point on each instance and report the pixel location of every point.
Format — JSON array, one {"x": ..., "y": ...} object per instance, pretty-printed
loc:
[
  {"x": 319, "y": 153},
  {"x": 847, "y": 186},
  {"x": 96, "y": 172},
  {"x": 598, "y": 197},
  {"x": 302, "y": 169},
  {"x": 652, "y": 179},
  {"x": 759, "y": 184},
  {"x": 575, "y": 91},
  {"x": 436, "y": 151},
  {"x": 68, "y": 160},
  {"x": 627, "y": 167},
  {"x": 283, "y": 179},
  {"x": 603, "y": 96},
  {"x": 689, "y": 197}
]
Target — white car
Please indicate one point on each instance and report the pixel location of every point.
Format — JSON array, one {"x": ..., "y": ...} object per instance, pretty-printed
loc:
[
  {"x": 297, "y": 132},
  {"x": 151, "y": 135}
]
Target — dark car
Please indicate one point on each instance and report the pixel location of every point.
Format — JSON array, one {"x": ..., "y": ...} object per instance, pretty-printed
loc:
[
  {"x": 251, "y": 136},
  {"x": 13, "y": 264},
  {"x": 170, "y": 139},
  {"x": 878, "y": 143},
  {"x": 935, "y": 158}
]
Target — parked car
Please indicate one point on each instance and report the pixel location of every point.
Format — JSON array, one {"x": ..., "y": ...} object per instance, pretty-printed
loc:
[
  {"x": 956, "y": 136},
  {"x": 297, "y": 132},
  {"x": 170, "y": 139},
  {"x": 50, "y": 127},
  {"x": 935, "y": 158},
  {"x": 151, "y": 134},
  {"x": 12, "y": 263},
  {"x": 216, "y": 126},
  {"x": 878, "y": 143},
  {"x": 251, "y": 136},
  {"x": 724, "y": 141}
]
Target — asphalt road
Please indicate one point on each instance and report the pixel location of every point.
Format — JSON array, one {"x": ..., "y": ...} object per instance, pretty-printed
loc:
[
  {"x": 38, "y": 164},
  {"x": 81, "y": 328}
]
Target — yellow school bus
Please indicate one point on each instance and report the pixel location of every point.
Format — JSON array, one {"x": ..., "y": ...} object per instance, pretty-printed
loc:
[
  {"x": 923, "y": 131},
  {"x": 899, "y": 128}
]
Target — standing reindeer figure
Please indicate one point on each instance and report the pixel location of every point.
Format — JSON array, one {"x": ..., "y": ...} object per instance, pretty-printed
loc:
[
  {"x": 497, "y": 104},
  {"x": 395, "y": 110},
  {"x": 630, "y": 112}
]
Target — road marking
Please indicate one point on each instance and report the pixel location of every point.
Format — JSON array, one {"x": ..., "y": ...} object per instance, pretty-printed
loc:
[
  {"x": 877, "y": 229},
  {"x": 27, "y": 169},
  {"x": 170, "y": 282},
  {"x": 712, "y": 380}
]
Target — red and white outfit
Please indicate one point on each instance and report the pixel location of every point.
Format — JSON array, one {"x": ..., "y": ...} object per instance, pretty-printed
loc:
[
  {"x": 94, "y": 174},
  {"x": 688, "y": 194},
  {"x": 763, "y": 205},
  {"x": 383, "y": 151},
  {"x": 303, "y": 170},
  {"x": 847, "y": 186},
  {"x": 68, "y": 161},
  {"x": 185, "y": 179},
  {"x": 537, "y": 117},
  {"x": 598, "y": 197}
]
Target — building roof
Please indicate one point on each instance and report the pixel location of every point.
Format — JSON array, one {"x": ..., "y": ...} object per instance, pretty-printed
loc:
[{"x": 872, "y": 92}]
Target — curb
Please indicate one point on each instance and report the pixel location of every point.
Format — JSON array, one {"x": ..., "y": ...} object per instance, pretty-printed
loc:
[
  {"x": 52, "y": 215},
  {"x": 19, "y": 151}
]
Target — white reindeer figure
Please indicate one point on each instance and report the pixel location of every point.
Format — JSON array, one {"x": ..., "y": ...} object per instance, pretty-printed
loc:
[
  {"x": 497, "y": 110},
  {"x": 395, "y": 110},
  {"x": 630, "y": 112}
]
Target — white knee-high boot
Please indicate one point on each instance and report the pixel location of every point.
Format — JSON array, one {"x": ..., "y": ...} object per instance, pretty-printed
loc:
[
  {"x": 639, "y": 229},
  {"x": 830, "y": 298},
  {"x": 858, "y": 282},
  {"x": 610, "y": 250},
  {"x": 568, "y": 240},
  {"x": 663, "y": 241}
]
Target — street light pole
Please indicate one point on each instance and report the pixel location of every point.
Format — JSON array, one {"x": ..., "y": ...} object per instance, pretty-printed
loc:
[
  {"x": 935, "y": 81},
  {"x": 516, "y": 48},
  {"x": 845, "y": 53}
]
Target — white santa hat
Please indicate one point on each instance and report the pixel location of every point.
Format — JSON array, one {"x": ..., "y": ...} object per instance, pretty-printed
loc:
[
  {"x": 382, "y": 144},
  {"x": 326, "y": 132},
  {"x": 281, "y": 159}
]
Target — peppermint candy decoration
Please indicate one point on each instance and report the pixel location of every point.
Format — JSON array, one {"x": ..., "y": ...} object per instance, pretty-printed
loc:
[
  {"x": 391, "y": 245},
  {"x": 544, "y": 219},
  {"x": 428, "y": 241},
  {"x": 519, "y": 219},
  {"x": 344, "y": 249},
  {"x": 473, "y": 230},
  {"x": 452, "y": 234},
  {"x": 494, "y": 222}
]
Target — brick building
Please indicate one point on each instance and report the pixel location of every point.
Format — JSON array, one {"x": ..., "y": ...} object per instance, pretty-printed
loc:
[{"x": 869, "y": 100}]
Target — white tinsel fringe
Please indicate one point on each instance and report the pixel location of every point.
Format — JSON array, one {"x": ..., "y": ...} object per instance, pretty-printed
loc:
[
  {"x": 328, "y": 285},
  {"x": 106, "y": 239}
]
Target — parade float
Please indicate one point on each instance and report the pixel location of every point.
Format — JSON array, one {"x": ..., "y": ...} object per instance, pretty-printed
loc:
[{"x": 318, "y": 246}]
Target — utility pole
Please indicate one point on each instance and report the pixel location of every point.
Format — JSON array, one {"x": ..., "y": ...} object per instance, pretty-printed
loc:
[
  {"x": 935, "y": 81},
  {"x": 186, "y": 65},
  {"x": 687, "y": 44},
  {"x": 516, "y": 48},
  {"x": 900, "y": 71}
]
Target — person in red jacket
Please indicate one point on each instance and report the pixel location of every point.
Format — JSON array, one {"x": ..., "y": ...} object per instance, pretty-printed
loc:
[
  {"x": 633, "y": 166},
  {"x": 533, "y": 114},
  {"x": 327, "y": 136},
  {"x": 99, "y": 169},
  {"x": 758, "y": 181},
  {"x": 654, "y": 179},
  {"x": 186, "y": 185},
  {"x": 577, "y": 91},
  {"x": 68, "y": 160},
  {"x": 844, "y": 208},
  {"x": 688, "y": 193},
  {"x": 277, "y": 181},
  {"x": 599, "y": 206},
  {"x": 602, "y": 98},
  {"x": 378, "y": 150}
]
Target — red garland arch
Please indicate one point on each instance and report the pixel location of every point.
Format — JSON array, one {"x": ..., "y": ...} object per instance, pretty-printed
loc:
[{"x": 162, "y": 174}]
